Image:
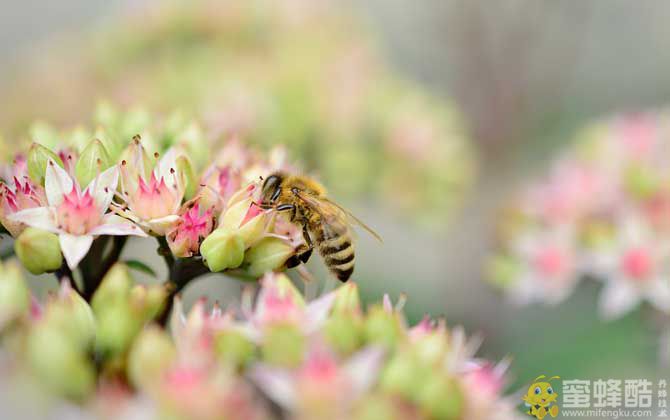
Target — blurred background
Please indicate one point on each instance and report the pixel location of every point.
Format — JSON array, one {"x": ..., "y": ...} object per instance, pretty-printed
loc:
[{"x": 513, "y": 80}]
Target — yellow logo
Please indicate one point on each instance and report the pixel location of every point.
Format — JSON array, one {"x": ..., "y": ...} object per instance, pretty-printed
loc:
[{"x": 541, "y": 398}]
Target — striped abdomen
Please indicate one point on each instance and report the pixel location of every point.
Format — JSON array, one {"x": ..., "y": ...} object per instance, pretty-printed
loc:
[{"x": 334, "y": 244}]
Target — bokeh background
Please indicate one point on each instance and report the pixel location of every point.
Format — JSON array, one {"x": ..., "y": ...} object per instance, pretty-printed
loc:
[{"x": 524, "y": 75}]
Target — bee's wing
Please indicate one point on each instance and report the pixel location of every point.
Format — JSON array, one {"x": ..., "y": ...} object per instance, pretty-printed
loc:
[{"x": 331, "y": 210}]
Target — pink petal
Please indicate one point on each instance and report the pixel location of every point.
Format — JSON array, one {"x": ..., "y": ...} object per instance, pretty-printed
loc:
[
  {"x": 317, "y": 311},
  {"x": 276, "y": 383},
  {"x": 39, "y": 217},
  {"x": 363, "y": 368},
  {"x": 74, "y": 248},
  {"x": 117, "y": 226},
  {"x": 57, "y": 183}
]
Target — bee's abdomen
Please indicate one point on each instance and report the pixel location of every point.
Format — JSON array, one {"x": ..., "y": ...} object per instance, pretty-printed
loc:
[{"x": 338, "y": 253}]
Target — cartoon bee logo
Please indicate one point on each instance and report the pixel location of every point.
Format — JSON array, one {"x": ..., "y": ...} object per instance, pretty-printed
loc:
[{"x": 541, "y": 398}]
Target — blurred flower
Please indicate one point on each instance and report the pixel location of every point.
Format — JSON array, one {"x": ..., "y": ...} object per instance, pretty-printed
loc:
[
  {"x": 76, "y": 216},
  {"x": 14, "y": 293}
]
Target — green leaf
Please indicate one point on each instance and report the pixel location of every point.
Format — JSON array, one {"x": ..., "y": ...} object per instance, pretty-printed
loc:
[{"x": 140, "y": 266}]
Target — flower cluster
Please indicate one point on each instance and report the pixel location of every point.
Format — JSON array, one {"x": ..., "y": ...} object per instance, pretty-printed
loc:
[
  {"x": 603, "y": 212},
  {"x": 300, "y": 72},
  {"x": 67, "y": 200},
  {"x": 275, "y": 355}
]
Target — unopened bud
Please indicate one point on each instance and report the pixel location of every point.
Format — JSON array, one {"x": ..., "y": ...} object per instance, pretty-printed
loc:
[
  {"x": 38, "y": 250},
  {"x": 72, "y": 314},
  {"x": 14, "y": 294},
  {"x": 118, "y": 325},
  {"x": 269, "y": 254},
  {"x": 185, "y": 169},
  {"x": 347, "y": 299},
  {"x": 147, "y": 301},
  {"x": 152, "y": 353},
  {"x": 382, "y": 327},
  {"x": 92, "y": 161},
  {"x": 440, "y": 397},
  {"x": 222, "y": 250},
  {"x": 246, "y": 220},
  {"x": 283, "y": 345},
  {"x": 59, "y": 362},
  {"x": 38, "y": 158},
  {"x": 234, "y": 348},
  {"x": 344, "y": 332},
  {"x": 115, "y": 286}
]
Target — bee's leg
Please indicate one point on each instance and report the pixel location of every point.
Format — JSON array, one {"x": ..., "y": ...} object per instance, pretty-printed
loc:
[
  {"x": 303, "y": 252},
  {"x": 304, "y": 256},
  {"x": 288, "y": 207}
]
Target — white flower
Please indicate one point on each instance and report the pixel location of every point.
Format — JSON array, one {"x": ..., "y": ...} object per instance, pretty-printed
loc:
[
  {"x": 634, "y": 270},
  {"x": 77, "y": 216}
]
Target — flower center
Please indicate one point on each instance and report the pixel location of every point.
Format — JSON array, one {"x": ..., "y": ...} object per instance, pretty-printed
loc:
[
  {"x": 78, "y": 213},
  {"x": 637, "y": 264},
  {"x": 154, "y": 199},
  {"x": 551, "y": 262}
]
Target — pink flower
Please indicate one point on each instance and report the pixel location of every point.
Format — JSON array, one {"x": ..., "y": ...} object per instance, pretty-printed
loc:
[
  {"x": 18, "y": 196},
  {"x": 77, "y": 216},
  {"x": 193, "y": 226},
  {"x": 152, "y": 198}
]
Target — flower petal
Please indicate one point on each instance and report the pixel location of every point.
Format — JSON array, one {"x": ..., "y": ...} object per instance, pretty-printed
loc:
[
  {"x": 617, "y": 298},
  {"x": 276, "y": 383},
  {"x": 74, "y": 247},
  {"x": 103, "y": 186},
  {"x": 57, "y": 183},
  {"x": 317, "y": 311},
  {"x": 38, "y": 217},
  {"x": 117, "y": 226},
  {"x": 161, "y": 225},
  {"x": 363, "y": 368}
]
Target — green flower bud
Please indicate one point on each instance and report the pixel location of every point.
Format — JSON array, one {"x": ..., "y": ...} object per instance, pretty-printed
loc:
[
  {"x": 38, "y": 158},
  {"x": 38, "y": 250},
  {"x": 147, "y": 300},
  {"x": 14, "y": 293},
  {"x": 503, "y": 270},
  {"x": 283, "y": 345},
  {"x": 137, "y": 160},
  {"x": 641, "y": 181},
  {"x": 402, "y": 375},
  {"x": 382, "y": 327},
  {"x": 222, "y": 250},
  {"x": 233, "y": 218},
  {"x": 432, "y": 347},
  {"x": 115, "y": 286},
  {"x": 375, "y": 407},
  {"x": 151, "y": 355},
  {"x": 234, "y": 348},
  {"x": 191, "y": 183},
  {"x": 440, "y": 397},
  {"x": 286, "y": 288},
  {"x": 344, "y": 332},
  {"x": 71, "y": 313},
  {"x": 59, "y": 362},
  {"x": 113, "y": 145},
  {"x": 92, "y": 161},
  {"x": 267, "y": 255},
  {"x": 193, "y": 139},
  {"x": 118, "y": 325},
  {"x": 347, "y": 299}
]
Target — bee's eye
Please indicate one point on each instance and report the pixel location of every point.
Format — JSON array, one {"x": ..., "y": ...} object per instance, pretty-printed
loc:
[
  {"x": 271, "y": 187},
  {"x": 550, "y": 391},
  {"x": 538, "y": 391}
]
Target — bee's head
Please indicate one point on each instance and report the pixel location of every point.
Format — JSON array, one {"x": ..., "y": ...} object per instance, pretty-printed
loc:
[{"x": 271, "y": 189}]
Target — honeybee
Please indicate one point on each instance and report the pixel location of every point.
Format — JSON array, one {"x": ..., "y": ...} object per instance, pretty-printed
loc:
[{"x": 324, "y": 223}]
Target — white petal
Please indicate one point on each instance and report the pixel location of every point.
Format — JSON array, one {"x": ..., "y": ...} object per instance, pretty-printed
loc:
[
  {"x": 167, "y": 162},
  {"x": 74, "y": 248},
  {"x": 161, "y": 225},
  {"x": 118, "y": 226},
  {"x": 39, "y": 217},
  {"x": 362, "y": 369},
  {"x": 617, "y": 298},
  {"x": 57, "y": 183},
  {"x": 103, "y": 186},
  {"x": 658, "y": 293},
  {"x": 317, "y": 311},
  {"x": 276, "y": 383}
]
